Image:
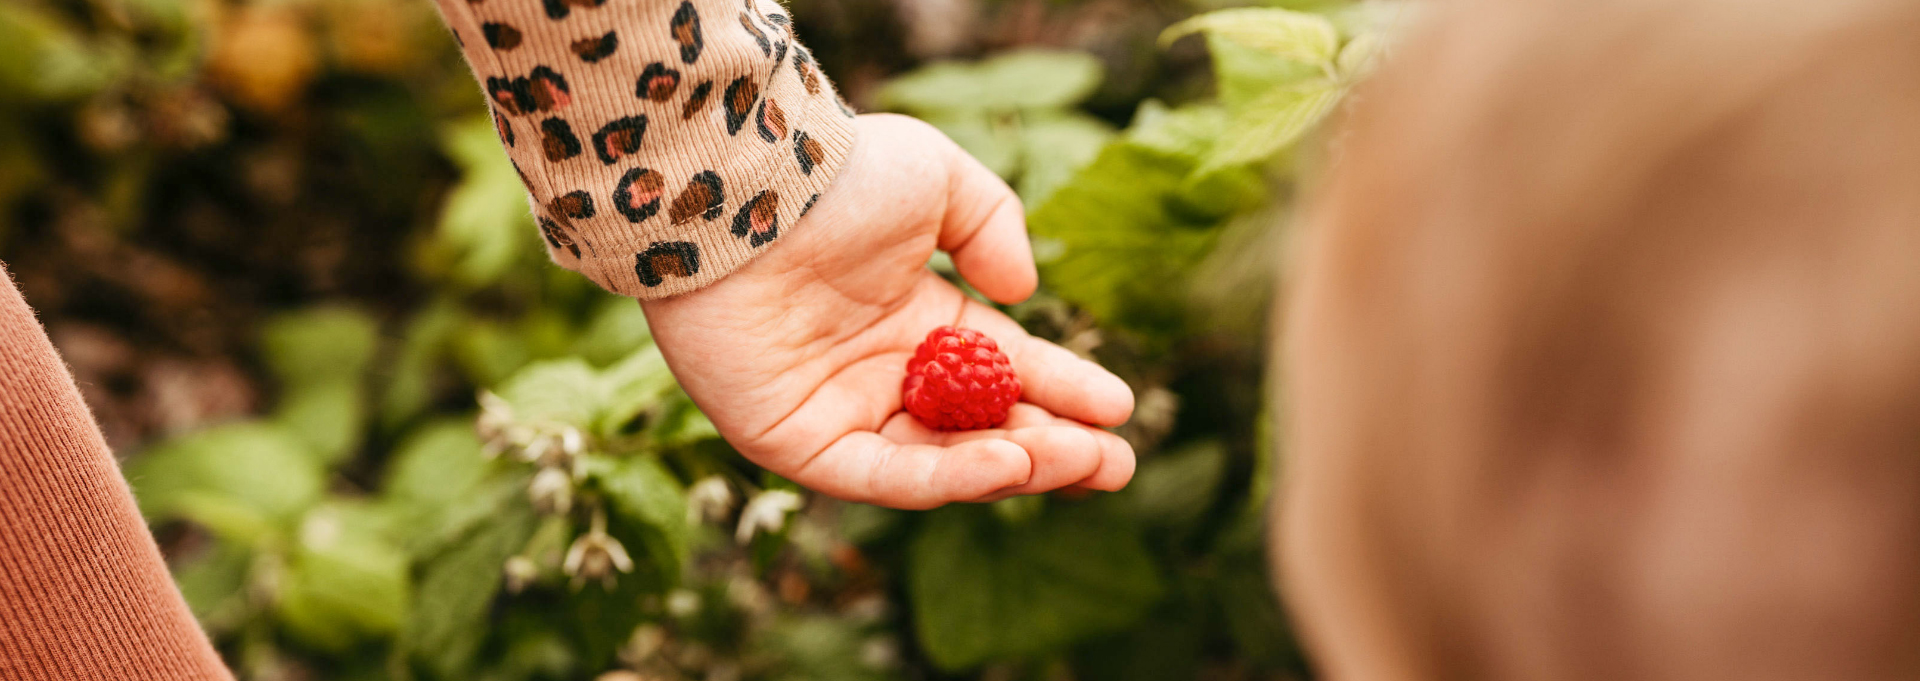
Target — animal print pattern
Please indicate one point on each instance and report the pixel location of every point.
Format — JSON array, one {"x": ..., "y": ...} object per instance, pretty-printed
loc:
[{"x": 672, "y": 196}]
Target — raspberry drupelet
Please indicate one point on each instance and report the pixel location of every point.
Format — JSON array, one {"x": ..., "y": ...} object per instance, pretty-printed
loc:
[{"x": 959, "y": 380}]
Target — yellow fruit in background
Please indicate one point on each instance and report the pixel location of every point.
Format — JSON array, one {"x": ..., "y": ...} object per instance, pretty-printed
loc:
[{"x": 263, "y": 57}]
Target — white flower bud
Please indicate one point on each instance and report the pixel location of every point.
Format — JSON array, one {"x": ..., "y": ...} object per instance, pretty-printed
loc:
[
  {"x": 520, "y": 572},
  {"x": 596, "y": 555},
  {"x": 551, "y": 491},
  {"x": 710, "y": 499},
  {"x": 767, "y": 511}
]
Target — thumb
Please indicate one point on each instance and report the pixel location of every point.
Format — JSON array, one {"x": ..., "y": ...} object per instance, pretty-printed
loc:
[{"x": 985, "y": 230}]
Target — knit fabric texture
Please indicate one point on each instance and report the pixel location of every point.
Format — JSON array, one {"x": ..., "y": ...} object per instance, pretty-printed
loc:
[
  {"x": 663, "y": 143},
  {"x": 84, "y": 595}
]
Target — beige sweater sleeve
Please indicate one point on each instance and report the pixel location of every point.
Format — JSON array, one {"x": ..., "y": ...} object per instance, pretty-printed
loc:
[{"x": 664, "y": 143}]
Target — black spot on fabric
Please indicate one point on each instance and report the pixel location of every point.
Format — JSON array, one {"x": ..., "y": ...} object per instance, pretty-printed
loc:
[
  {"x": 777, "y": 19},
  {"x": 758, "y": 219},
  {"x": 619, "y": 138},
  {"x": 686, "y": 32},
  {"x": 502, "y": 127},
  {"x": 559, "y": 9},
  {"x": 592, "y": 50},
  {"x": 557, "y": 140},
  {"x": 803, "y": 65},
  {"x": 771, "y": 123},
  {"x": 574, "y": 205},
  {"x": 657, "y": 83},
  {"x": 637, "y": 195},
  {"x": 542, "y": 90},
  {"x": 703, "y": 197},
  {"x": 809, "y": 207},
  {"x": 500, "y": 36},
  {"x": 557, "y": 237},
  {"x": 807, "y": 151},
  {"x": 667, "y": 259},
  {"x": 844, "y": 109},
  {"x": 697, "y": 100},
  {"x": 779, "y": 56},
  {"x": 759, "y": 36},
  {"x": 740, "y": 97}
]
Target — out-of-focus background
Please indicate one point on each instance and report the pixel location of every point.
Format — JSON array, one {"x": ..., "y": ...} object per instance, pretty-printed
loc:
[{"x": 380, "y": 437}]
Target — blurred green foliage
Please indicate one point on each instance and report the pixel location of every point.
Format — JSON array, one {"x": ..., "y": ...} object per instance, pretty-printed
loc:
[{"x": 475, "y": 465}]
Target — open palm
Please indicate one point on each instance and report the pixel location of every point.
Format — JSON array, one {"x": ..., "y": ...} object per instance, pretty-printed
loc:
[{"x": 799, "y": 355}]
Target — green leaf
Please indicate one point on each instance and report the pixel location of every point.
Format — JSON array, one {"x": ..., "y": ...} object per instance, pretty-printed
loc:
[
  {"x": 996, "y": 146},
  {"x": 983, "y": 590},
  {"x": 562, "y": 391},
  {"x": 1357, "y": 59},
  {"x": 1188, "y": 132},
  {"x": 213, "y": 580},
  {"x": 1176, "y": 487},
  {"x": 1273, "y": 122},
  {"x": 645, "y": 493},
  {"x": 319, "y": 345},
  {"x": 410, "y": 381},
  {"x": 1242, "y": 74},
  {"x": 636, "y": 384},
  {"x": 486, "y": 225},
  {"x": 487, "y": 352},
  {"x": 43, "y": 57},
  {"x": 1028, "y": 79},
  {"x": 1054, "y": 148},
  {"x": 330, "y": 417},
  {"x": 682, "y": 423},
  {"x": 1286, "y": 34},
  {"x": 248, "y": 467},
  {"x": 437, "y": 464},
  {"x": 818, "y": 648},
  {"x": 617, "y": 329},
  {"x": 455, "y": 591},
  {"x": 345, "y": 581},
  {"x": 320, "y": 356},
  {"x": 1125, "y": 242}
]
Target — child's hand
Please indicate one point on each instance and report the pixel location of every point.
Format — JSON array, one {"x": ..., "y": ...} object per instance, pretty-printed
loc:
[{"x": 799, "y": 355}]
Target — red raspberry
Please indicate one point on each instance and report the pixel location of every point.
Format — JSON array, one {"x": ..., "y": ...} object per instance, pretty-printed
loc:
[{"x": 959, "y": 380}]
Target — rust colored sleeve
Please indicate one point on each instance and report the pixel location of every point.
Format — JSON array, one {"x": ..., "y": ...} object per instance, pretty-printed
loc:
[{"x": 84, "y": 594}]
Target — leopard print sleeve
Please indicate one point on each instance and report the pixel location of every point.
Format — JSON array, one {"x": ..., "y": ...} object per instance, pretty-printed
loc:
[{"x": 663, "y": 143}]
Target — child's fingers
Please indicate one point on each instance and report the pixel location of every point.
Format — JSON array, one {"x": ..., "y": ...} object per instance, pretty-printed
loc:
[
  {"x": 865, "y": 467},
  {"x": 1114, "y": 469},
  {"x": 1064, "y": 452},
  {"x": 985, "y": 230},
  {"x": 1051, "y": 376}
]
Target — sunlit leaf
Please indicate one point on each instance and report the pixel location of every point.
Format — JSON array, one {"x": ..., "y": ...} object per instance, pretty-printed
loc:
[
  {"x": 329, "y": 416},
  {"x": 634, "y": 385},
  {"x": 486, "y": 224},
  {"x": 1053, "y": 148},
  {"x": 1030, "y": 79},
  {"x": 1298, "y": 36},
  {"x": 252, "y": 466},
  {"x": 566, "y": 391},
  {"x": 344, "y": 581},
  {"x": 1273, "y": 122},
  {"x": 437, "y": 464},
  {"x": 996, "y": 146}
]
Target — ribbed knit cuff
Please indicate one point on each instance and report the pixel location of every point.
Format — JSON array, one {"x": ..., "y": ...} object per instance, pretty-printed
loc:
[{"x": 663, "y": 144}]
